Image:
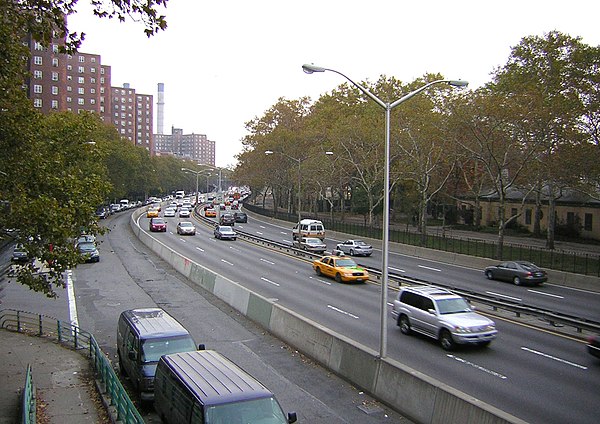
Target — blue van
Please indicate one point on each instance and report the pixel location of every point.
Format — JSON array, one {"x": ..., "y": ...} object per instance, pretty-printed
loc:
[
  {"x": 204, "y": 387},
  {"x": 143, "y": 336}
]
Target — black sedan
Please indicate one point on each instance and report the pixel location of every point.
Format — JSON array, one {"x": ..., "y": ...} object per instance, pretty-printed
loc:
[
  {"x": 593, "y": 346},
  {"x": 517, "y": 272},
  {"x": 241, "y": 217}
]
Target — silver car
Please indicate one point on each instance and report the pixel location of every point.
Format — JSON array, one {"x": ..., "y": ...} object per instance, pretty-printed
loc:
[
  {"x": 186, "y": 228},
  {"x": 312, "y": 244},
  {"x": 442, "y": 315},
  {"x": 355, "y": 248}
]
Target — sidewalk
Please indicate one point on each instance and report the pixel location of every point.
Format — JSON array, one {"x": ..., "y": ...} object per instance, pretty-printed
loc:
[{"x": 63, "y": 380}]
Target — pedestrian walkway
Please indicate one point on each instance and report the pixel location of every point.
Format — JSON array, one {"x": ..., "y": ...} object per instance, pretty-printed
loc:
[{"x": 63, "y": 379}]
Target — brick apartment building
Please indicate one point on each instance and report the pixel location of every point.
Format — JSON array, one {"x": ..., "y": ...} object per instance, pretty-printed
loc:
[
  {"x": 196, "y": 147},
  {"x": 80, "y": 82}
]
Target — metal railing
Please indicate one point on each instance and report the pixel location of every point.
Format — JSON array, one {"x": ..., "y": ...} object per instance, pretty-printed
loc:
[
  {"x": 28, "y": 404},
  {"x": 73, "y": 337},
  {"x": 567, "y": 261}
]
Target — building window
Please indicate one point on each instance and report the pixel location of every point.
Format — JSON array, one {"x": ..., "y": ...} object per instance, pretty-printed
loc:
[
  {"x": 81, "y": 69},
  {"x": 54, "y": 104},
  {"x": 55, "y": 62},
  {"x": 54, "y": 48},
  {"x": 38, "y": 46},
  {"x": 54, "y": 90},
  {"x": 101, "y": 71},
  {"x": 54, "y": 76},
  {"x": 102, "y": 80},
  {"x": 93, "y": 70},
  {"x": 37, "y": 60},
  {"x": 93, "y": 90},
  {"x": 37, "y": 89},
  {"x": 570, "y": 218},
  {"x": 81, "y": 80},
  {"x": 37, "y": 74},
  {"x": 81, "y": 59},
  {"x": 527, "y": 216},
  {"x": 81, "y": 90},
  {"x": 101, "y": 109},
  {"x": 587, "y": 223},
  {"x": 69, "y": 67},
  {"x": 69, "y": 77},
  {"x": 93, "y": 80},
  {"x": 69, "y": 88},
  {"x": 69, "y": 100},
  {"x": 37, "y": 102},
  {"x": 92, "y": 101},
  {"x": 93, "y": 59},
  {"x": 80, "y": 101},
  {"x": 101, "y": 90}
]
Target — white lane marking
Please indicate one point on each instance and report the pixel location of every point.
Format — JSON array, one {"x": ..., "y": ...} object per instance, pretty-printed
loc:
[
  {"x": 545, "y": 294},
  {"x": 321, "y": 281},
  {"x": 430, "y": 268},
  {"x": 396, "y": 269},
  {"x": 259, "y": 233},
  {"x": 478, "y": 367},
  {"x": 183, "y": 240},
  {"x": 342, "y": 311},
  {"x": 503, "y": 295},
  {"x": 269, "y": 262},
  {"x": 227, "y": 262},
  {"x": 71, "y": 296},
  {"x": 234, "y": 248},
  {"x": 200, "y": 249},
  {"x": 283, "y": 232},
  {"x": 554, "y": 358},
  {"x": 262, "y": 226},
  {"x": 269, "y": 281}
]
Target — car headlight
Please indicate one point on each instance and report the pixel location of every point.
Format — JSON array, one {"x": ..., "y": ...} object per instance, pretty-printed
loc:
[{"x": 461, "y": 329}]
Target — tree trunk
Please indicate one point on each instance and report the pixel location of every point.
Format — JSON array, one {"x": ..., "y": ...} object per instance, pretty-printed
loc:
[
  {"x": 500, "y": 245},
  {"x": 537, "y": 227},
  {"x": 551, "y": 218}
]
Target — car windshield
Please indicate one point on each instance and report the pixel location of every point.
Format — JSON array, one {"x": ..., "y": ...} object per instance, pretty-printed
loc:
[
  {"x": 313, "y": 241},
  {"x": 360, "y": 243},
  {"x": 345, "y": 263},
  {"x": 256, "y": 411},
  {"x": 153, "y": 349},
  {"x": 453, "y": 306},
  {"x": 86, "y": 246},
  {"x": 226, "y": 229},
  {"x": 158, "y": 221},
  {"x": 186, "y": 224}
]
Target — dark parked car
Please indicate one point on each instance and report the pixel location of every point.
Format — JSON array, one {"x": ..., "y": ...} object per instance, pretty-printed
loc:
[
  {"x": 227, "y": 219},
  {"x": 89, "y": 251},
  {"x": 19, "y": 254},
  {"x": 158, "y": 224},
  {"x": 225, "y": 232},
  {"x": 593, "y": 345},
  {"x": 240, "y": 217},
  {"x": 517, "y": 272},
  {"x": 102, "y": 212}
]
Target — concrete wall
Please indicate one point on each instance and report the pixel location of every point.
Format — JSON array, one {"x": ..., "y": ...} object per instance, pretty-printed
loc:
[{"x": 415, "y": 395}]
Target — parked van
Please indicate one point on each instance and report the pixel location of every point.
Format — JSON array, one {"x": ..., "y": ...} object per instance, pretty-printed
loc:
[
  {"x": 308, "y": 228},
  {"x": 143, "y": 336},
  {"x": 205, "y": 387}
]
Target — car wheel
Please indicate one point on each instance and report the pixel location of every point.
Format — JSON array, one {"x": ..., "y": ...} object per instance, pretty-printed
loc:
[
  {"x": 517, "y": 281},
  {"x": 351, "y": 252},
  {"x": 338, "y": 277},
  {"x": 489, "y": 275},
  {"x": 368, "y": 254},
  {"x": 318, "y": 271},
  {"x": 446, "y": 340},
  {"x": 404, "y": 324}
]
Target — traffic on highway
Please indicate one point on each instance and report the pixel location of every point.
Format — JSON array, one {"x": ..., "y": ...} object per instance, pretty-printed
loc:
[{"x": 519, "y": 372}]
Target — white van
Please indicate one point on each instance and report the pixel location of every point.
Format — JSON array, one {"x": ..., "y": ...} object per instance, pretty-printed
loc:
[{"x": 308, "y": 228}]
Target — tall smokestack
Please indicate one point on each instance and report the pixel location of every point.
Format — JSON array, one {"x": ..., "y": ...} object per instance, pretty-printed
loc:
[{"x": 160, "y": 108}]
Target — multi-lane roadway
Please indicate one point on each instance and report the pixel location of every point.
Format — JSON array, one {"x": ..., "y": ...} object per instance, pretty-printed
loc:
[{"x": 534, "y": 374}]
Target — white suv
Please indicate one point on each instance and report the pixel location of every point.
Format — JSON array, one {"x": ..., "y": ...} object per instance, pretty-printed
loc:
[{"x": 442, "y": 315}]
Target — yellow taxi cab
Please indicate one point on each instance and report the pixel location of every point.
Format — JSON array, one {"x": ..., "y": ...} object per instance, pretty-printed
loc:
[
  {"x": 341, "y": 268},
  {"x": 210, "y": 213},
  {"x": 152, "y": 213}
]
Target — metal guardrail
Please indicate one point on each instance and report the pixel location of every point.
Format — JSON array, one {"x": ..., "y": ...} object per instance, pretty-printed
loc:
[
  {"x": 75, "y": 338},
  {"x": 551, "y": 317},
  {"x": 28, "y": 402}
]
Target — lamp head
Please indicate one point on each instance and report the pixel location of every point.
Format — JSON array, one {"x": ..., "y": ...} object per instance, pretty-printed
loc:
[
  {"x": 458, "y": 83},
  {"x": 310, "y": 68}
]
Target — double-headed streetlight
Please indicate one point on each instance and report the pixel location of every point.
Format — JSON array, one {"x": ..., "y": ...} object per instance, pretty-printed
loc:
[
  {"x": 309, "y": 69},
  {"x": 299, "y": 161},
  {"x": 191, "y": 171}
]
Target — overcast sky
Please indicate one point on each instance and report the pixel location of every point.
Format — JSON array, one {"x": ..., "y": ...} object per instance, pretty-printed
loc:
[{"x": 225, "y": 62}]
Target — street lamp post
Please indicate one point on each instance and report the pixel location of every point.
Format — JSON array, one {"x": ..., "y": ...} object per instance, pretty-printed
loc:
[
  {"x": 309, "y": 69},
  {"x": 299, "y": 161}
]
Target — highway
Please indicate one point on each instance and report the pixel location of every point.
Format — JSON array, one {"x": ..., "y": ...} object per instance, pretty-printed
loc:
[{"x": 533, "y": 374}]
